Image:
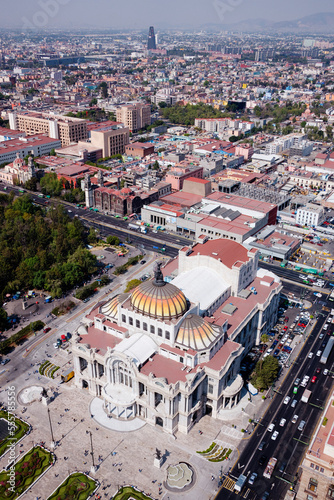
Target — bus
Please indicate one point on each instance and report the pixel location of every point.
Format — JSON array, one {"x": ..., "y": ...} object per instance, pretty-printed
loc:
[
  {"x": 310, "y": 271},
  {"x": 327, "y": 351}
]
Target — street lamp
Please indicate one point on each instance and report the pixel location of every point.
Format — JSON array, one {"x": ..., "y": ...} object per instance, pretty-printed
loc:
[
  {"x": 93, "y": 467},
  {"x": 51, "y": 430}
]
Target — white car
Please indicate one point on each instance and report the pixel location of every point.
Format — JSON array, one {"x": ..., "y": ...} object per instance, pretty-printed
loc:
[
  {"x": 294, "y": 419},
  {"x": 310, "y": 355},
  {"x": 55, "y": 345},
  {"x": 282, "y": 422},
  {"x": 318, "y": 353},
  {"x": 274, "y": 436},
  {"x": 321, "y": 336},
  {"x": 271, "y": 427},
  {"x": 294, "y": 402},
  {"x": 286, "y": 400},
  {"x": 325, "y": 372}
]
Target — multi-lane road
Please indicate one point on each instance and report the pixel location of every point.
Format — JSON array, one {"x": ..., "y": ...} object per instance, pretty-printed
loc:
[{"x": 291, "y": 443}]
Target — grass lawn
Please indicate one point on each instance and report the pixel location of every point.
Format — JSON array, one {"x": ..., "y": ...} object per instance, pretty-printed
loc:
[
  {"x": 21, "y": 429},
  {"x": 27, "y": 470},
  {"x": 127, "y": 492},
  {"x": 76, "y": 487}
]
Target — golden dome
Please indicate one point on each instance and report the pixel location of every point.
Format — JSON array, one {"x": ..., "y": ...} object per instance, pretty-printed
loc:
[
  {"x": 110, "y": 308},
  {"x": 159, "y": 299},
  {"x": 196, "y": 333}
]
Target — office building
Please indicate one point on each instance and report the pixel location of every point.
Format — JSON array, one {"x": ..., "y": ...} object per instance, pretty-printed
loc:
[
  {"x": 111, "y": 137},
  {"x": 151, "y": 45}
]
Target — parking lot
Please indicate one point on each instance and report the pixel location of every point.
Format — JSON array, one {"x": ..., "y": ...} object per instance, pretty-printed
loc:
[{"x": 288, "y": 331}]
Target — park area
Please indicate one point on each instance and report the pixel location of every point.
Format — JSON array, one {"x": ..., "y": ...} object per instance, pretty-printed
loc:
[
  {"x": 27, "y": 471},
  {"x": 6, "y": 437},
  {"x": 77, "y": 486},
  {"x": 128, "y": 492}
]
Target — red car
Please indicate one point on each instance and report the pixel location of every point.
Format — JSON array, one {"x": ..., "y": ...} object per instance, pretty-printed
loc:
[
  {"x": 47, "y": 329},
  {"x": 314, "y": 378},
  {"x": 285, "y": 328}
]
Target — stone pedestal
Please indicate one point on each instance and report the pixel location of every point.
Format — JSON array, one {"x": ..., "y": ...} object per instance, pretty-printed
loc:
[
  {"x": 24, "y": 305},
  {"x": 158, "y": 462},
  {"x": 93, "y": 469},
  {"x": 46, "y": 400},
  {"x": 52, "y": 445}
]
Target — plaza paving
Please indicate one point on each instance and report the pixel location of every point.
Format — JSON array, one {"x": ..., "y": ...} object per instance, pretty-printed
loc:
[{"x": 133, "y": 452}]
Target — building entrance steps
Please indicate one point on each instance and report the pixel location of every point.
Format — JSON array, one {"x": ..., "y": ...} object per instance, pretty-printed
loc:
[{"x": 101, "y": 418}]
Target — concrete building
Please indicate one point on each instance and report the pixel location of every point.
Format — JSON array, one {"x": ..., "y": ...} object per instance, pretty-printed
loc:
[
  {"x": 170, "y": 351},
  {"x": 65, "y": 128},
  {"x": 139, "y": 149},
  {"x": 310, "y": 215},
  {"x": 274, "y": 244},
  {"x": 134, "y": 116},
  {"x": 201, "y": 187},
  {"x": 178, "y": 174},
  {"x": 110, "y": 137}
]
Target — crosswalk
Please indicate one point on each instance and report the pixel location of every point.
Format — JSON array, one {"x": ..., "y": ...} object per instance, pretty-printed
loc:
[{"x": 228, "y": 483}]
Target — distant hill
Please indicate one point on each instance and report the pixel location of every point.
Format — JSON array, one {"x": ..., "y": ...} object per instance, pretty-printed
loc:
[{"x": 317, "y": 23}]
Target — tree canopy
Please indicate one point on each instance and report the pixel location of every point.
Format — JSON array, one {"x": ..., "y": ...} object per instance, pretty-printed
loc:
[
  {"x": 185, "y": 115},
  {"x": 40, "y": 250},
  {"x": 265, "y": 373}
]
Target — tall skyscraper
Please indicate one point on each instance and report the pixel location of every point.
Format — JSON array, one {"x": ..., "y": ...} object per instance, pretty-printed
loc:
[{"x": 151, "y": 39}]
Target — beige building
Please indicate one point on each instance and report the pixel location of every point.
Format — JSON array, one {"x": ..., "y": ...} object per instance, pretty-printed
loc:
[
  {"x": 112, "y": 139},
  {"x": 65, "y": 128},
  {"x": 317, "y": 481},
  {"x": 134, "y": 116}
]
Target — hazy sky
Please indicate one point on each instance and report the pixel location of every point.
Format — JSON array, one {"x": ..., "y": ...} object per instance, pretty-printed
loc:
[{"x": 142, "y": 13}]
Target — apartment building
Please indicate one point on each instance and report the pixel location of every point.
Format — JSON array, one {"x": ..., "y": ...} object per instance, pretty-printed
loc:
[
  {"x": 134, "y": 116},
  {"x": 65, "y": 128},
  {"x": 111, "y": 137}
]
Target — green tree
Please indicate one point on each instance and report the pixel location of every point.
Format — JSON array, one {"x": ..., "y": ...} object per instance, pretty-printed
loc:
[
  {"x": 264, "y": 338},
  {"x": 266, "y": 372},
  {"x": 132, "y": 284},
  {"x": 113, "y": 240}
]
